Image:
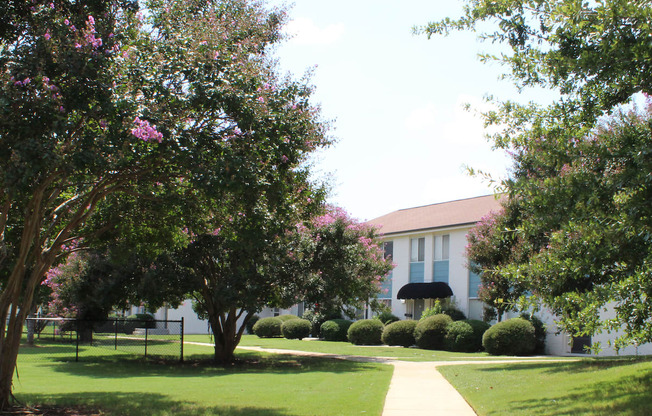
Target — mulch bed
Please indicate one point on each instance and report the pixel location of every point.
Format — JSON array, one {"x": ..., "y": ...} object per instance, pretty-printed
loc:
[{"x": 50, "y": 411}]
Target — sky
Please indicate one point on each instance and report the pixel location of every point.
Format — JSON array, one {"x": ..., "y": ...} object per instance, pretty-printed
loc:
[{"x": 396, "y": 101}]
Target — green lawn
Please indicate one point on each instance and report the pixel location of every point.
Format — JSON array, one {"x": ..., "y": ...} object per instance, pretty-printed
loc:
[
  {"x": 346, "y": 348},
  {"x": 263, "y": 384},
  {"x": 588, "y": 387}
]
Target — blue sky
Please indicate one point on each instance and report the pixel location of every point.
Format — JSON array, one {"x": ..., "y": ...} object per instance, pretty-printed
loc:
[{"x": 396, "y": 101}]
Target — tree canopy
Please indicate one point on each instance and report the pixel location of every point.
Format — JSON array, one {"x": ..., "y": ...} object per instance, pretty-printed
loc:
[
  {"x": 575, "y": 231},
  {"x": 107, "y": 102}
]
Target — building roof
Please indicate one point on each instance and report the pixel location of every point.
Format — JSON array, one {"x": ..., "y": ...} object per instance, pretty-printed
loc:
[{"x": 445, "y": 214}]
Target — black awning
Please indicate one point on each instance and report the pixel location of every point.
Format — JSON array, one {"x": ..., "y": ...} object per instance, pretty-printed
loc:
[{"x": 433, "y": 290}]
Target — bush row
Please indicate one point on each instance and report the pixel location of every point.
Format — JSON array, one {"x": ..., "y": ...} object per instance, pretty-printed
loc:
[{"x": 518, "y": 336}]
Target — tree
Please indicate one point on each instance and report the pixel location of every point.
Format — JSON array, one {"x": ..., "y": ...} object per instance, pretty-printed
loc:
[
  {"x": 256, "y": 261},
  {"x": 580, "y": 182},
  {"x": 102, "y": 102}
]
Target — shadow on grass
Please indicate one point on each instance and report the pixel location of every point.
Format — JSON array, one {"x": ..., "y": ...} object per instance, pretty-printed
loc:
[
  {"x": 121, "y": 366},
  {"x": 145, "y": 404},
  {"x": 626, "y": 396}
]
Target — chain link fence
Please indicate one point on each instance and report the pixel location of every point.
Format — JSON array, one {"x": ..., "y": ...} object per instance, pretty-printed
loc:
[{"x": 149, "y": 338}]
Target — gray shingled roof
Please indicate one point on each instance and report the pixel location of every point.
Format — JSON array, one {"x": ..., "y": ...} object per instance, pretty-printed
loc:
[{"x": 445, "y": 214}]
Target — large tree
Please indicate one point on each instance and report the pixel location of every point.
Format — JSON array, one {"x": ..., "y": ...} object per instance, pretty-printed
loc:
[
  {"x": 102, "y": 101},
  {"x": 580, "y": 181},
  {"x": 252, "y": 261}
]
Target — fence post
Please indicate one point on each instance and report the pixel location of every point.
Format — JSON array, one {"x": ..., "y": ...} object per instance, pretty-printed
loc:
[
  {"x": 77, "y": 343},
  {"x": 115, "y": 323},
  {"x": 182, "y": 339},
  {"x": 146, "y": 332}
]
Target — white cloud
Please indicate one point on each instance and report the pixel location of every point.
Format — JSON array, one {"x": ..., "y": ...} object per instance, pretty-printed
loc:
[{"x": 304, "y": 31}]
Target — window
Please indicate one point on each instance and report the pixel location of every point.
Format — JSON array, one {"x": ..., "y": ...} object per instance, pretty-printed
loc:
[
  {"x": 440, "y": 268},
  {"x": 417, "y": 254},
  {"x": 474, "y": 284},
  {"x": 386, "y": 287},
  {"x": 417, "y": 249}
]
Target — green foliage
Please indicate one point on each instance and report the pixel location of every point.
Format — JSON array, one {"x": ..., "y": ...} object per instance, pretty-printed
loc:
[
  {"x": 454, "y": 313},
  {"x": 268, "y": 327},
  {"x": 436, "y": 309},
  {"x": 249, "y": 326},
  {"x": 366, "y": 332},
  {"x": 386, "y": 317},
  {"x": 399, "y": 333},
  {"x": 288, "y": 317},
  {"x": 539, "y": 332},
  {"x": 429, "y": 333},
  {"x": 574, "y": 232},
  {"x": 460, "y": 337},
  {"x": 479, "y": 328},
  {"x": 296, "y": 328},
  {"x": 511, "y": 337},
  {"x": 335, "y": 329}
]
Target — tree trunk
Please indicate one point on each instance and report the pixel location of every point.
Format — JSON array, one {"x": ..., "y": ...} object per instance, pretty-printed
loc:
[{"x": 227, "y": 335}]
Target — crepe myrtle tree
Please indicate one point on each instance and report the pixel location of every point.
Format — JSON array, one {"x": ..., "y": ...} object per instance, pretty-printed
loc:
[
  {"x": 580, "y": 175},
  {"x": 100, "y": 99}
]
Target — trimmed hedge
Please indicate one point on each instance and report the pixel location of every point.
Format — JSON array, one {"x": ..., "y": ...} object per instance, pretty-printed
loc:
[
  {"x": 335, "y": 329},
  {"x": 459, "y": 337},
  {"x": 296, "y": 328},
  {"x": 454, "y": 313},
  {"x": 285, "y": 318},
  {"x": 268, "y": 327},
  {"x": 366, "y": 332},
  {"x": 429, "y": 333},
  {"x": 387, "y": 318},
  {"x": 511, "y": 337},
  {"x": 479, "y": 328},
  {"x": 399, "y": 333}
]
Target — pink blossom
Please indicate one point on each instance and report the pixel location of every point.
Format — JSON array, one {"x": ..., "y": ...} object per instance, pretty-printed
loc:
[
  {"x": 284, "y": 159},
  {"x": 261, "y": 99},
  {"x": 145, "y": 132},
  {"x": 47, "y": 35},
  {"x": 66, "y": 22}
]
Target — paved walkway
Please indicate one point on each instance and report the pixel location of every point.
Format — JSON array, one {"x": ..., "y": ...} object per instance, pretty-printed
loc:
[{"x": 416, "y": 388}]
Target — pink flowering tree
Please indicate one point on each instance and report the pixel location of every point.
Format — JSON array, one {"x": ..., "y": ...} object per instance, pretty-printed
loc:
[
  {"x": 345, "y": 263},
  {"x": 104, "y": 104}
]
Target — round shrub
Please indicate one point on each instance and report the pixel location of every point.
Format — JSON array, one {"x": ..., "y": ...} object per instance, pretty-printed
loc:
[
  {"x": 399, "y": 333},
  {"x": 366, "y": 332},
  {"x": 268, "y": 328},
  {"x": 539, "y": 332},
  {"x": 285, "y": 318},
  {"x": 512, "y": 337},
  {"x": 479, "y": 328},
  {"x": 459, "y": 337},
  {"x": 429, "y": 333},
  {"x": 387, "y": 318},
  {"x": 249, "y": 326},
  {"x": 335, "y": 329},
  {"x": 296, "y": 328}
]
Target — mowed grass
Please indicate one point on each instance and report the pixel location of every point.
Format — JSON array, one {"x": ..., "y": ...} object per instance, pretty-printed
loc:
[
  {"x": 588, "y": 387},
  {"x": 346, "y": 348},
  {"x": 259, "y": 384}
]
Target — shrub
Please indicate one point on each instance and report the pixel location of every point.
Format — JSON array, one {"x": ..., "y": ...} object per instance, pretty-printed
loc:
[
  {"x": 454, "y": 313},
  {"x": 459, "y": 337},
  {"x": 318, "y": 318},
  {"x": 285, "y": 318},
  {"x": 512, "y": 337},
  {"x": 366, "y": 332},
  {"x": 249, "y": 326},
  {"x": 268, "y": 327},
  {"x": 479, "y": 328},
  {"x": 387, "y": 318},
  {"x": 539, "y": 332},
  {"x": 429, "y": 333},
  {"x": 335, "y": 329},
  {"x": 296, "y": 328},
  {"x": 434, "y": 310},
  {"x": 399, "y": 333}
]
